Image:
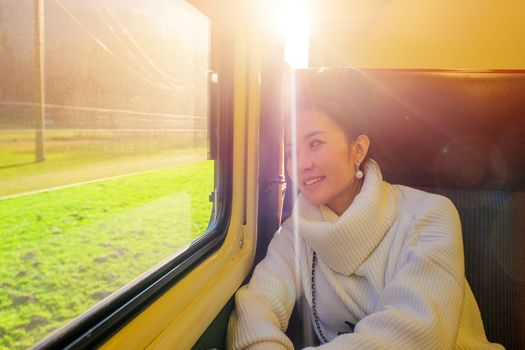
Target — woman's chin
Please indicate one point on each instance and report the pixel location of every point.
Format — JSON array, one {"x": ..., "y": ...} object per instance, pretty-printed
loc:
[{"x": 314, "y": 200}]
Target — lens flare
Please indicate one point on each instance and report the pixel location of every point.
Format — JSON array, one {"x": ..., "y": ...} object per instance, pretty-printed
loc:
[{"x": 300, "y": 267}]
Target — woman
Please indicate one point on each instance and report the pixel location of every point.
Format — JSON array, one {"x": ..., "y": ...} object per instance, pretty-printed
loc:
[{"x": 380, "y": 265}]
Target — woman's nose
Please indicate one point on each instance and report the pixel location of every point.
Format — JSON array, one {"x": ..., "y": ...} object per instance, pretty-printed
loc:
[{"x": 304, "y": 162}]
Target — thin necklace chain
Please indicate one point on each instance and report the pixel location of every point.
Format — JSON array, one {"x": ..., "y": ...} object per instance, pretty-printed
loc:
[{"x": 314, "y": 304}]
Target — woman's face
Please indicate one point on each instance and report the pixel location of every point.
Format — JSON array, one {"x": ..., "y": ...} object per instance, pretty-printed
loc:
[{"x": 325, "y": 161}]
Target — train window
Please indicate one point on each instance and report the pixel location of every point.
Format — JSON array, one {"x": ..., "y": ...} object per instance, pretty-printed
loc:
[{"x": 104, "y": 152}]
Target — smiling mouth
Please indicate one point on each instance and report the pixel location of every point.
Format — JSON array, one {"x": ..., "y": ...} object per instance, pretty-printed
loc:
[{"x": 313, "y": 180}]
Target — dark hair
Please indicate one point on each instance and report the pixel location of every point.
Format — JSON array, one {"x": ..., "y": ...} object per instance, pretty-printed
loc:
[{"x": 343, "y": 94}]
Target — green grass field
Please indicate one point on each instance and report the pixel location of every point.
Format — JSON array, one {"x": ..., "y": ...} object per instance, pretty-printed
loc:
[{"x": 64, "y": 250}]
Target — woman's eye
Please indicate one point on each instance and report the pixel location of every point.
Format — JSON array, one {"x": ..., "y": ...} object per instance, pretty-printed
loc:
[{"x": 315, "y": 143}]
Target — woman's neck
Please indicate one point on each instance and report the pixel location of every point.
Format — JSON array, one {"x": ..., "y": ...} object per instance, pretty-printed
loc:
[{"x": 340, "y": 204}]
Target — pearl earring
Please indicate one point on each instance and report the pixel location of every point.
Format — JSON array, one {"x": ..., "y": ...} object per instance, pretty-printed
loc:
[{"x": 358, "y": 172}]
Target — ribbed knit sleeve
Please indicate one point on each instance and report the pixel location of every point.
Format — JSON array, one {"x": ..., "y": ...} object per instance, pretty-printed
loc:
[
  {"x": 263, "y": 307},
  {"x": 420, "y": 306}
]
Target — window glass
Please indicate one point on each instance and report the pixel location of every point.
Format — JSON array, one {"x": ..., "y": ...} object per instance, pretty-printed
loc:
[{"x": 103, "y": 151}]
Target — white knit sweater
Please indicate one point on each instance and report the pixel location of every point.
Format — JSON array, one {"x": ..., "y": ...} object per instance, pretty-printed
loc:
[{"x": 392, "y": 264}]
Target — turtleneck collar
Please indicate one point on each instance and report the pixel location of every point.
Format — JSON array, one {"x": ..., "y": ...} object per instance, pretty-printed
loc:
[{"x": 344, "y": 242}]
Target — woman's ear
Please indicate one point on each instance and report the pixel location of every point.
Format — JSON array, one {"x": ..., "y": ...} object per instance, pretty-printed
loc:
[{"x": 360, "y": 147}]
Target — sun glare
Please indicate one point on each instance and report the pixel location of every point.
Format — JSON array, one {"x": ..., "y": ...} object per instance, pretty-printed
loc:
[{"x": 294, "y": 23}]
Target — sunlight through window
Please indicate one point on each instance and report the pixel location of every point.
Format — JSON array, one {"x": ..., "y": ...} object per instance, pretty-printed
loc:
[{"x": 294, "y": 23}]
